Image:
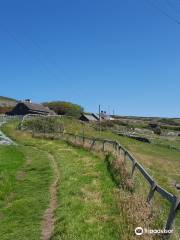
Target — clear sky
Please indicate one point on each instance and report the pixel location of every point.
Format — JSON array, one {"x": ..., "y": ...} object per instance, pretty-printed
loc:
[{"x": 122, "y": 54}]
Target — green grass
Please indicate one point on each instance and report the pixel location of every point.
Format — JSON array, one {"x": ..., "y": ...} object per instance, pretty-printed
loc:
[
  {"x": 90, "y": 206},
  {"x": 160, "y": 161},
  {"x": 87, "y": 196},
  {"x": 155, "y": 158},
  {"x": 25, "y": 175},
  {"x": 87, "y": 205},
  {"x": 11, "y": 160},
  {"x": 87, "y": 208}
]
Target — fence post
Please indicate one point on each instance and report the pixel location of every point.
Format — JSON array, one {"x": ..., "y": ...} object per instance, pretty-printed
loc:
[
  {"x": 104, "y": 146},
  {"x": 92, "y": 144},
  {"x": 133, "y": 168},
  {"x": 151, "y": 192},
  {"x": 63, "y": 135},
  {"x": 125, "y": 153},
  {"x": 172, "y": 214},
  {"x": 117, "y": 148}
]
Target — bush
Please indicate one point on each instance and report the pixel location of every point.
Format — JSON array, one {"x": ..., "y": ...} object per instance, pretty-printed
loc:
[
  {"x": 65, "y": 108},
  {"x": 119, "y": 172},
  {"x": 115, "y": 124},
  {"x": 107, "y": 124},
  {"x": 5, "y": 109},
  {"x": 44, "y": 124},
  {"x": 157, "y": 130}
]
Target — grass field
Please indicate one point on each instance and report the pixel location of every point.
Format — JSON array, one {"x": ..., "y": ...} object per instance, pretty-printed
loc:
[
  {"x": 90, "y": 206},
  {"x": 89, "y": 203},
  {"x": 156, "y": 157},
  {"x": 25, "y": 175},
  {"x": 160, "y": 161}
]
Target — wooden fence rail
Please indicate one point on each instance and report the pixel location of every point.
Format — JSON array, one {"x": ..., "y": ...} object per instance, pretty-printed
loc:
[
  {"x": 5, "y": 118},
  {"x": 136, "y": 166}
]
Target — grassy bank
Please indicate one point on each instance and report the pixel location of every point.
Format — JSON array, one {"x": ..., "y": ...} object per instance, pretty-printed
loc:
[
  {"x": 90, "y": 206},
  {"x": 157, "y": 159},
  {"x": 161, "y": 162}
]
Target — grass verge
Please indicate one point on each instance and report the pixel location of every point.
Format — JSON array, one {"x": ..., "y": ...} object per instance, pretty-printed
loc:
[{"x": 25, "y": 175}]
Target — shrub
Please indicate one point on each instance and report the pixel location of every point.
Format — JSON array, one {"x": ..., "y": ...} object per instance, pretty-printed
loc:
[
  {"x": 5, "y": 109},
  {"x": 65, "y": 108},
  {"x": 119, "y": 172},
  {"x": 157, "y": 130},
  {"x": 107, "y": 124},
  {"x": 44, "y": 124}
]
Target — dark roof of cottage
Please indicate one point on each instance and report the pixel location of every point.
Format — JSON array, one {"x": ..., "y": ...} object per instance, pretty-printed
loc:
[
  {"x": 90, "y": 117},
  {"x": 37, "y": 107},
  {"x": 96, "y": 116}
]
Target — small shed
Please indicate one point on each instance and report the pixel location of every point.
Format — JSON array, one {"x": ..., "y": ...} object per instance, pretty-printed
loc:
[
  {"x": 96, "y": 116},
  {"x": 85, "y": 117},
  {"x": 153, "y": 124}
]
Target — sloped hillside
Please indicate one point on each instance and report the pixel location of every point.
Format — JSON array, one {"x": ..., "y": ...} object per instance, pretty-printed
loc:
[{"x": 7, "y": 102}]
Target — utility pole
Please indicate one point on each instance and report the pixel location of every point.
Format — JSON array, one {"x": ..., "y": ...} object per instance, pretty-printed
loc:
[
  {"x": 83, "y": 133},
  {"x": 109, "y": 110},
  {"x": 100, "y": 118}
]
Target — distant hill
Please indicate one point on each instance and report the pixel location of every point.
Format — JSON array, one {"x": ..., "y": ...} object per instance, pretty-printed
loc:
[{"x": 7, "y": 102}]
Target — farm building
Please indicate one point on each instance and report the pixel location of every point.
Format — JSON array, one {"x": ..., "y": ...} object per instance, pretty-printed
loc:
[
  {"x": 153, "y": 124},
  {"x": 96, "y": 116},
  {"x": 26, "y": 107},
  {"x": 87, "y": 117},
  {"x": 105, "y": 116}
]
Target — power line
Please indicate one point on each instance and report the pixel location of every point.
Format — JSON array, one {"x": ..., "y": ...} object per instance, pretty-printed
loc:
[
  {"x": 53, "y": 62},
  {"x": 163, "y": 12},
  {"x": 172, "y": 6},
  {"x": 21, "y": 45}
]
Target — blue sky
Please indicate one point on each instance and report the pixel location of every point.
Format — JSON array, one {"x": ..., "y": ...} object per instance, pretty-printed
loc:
[{"x": 122, "y": 54}]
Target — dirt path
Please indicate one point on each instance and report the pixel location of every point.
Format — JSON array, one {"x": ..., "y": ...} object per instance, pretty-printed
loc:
[{"x": 48, "y": 218}]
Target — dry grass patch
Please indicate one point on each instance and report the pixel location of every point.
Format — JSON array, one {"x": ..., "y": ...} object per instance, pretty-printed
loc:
[
  {"x": 89, "y": 195},
  {"x": 21, "y": 175},
  {"x": 135, "y": 213}
]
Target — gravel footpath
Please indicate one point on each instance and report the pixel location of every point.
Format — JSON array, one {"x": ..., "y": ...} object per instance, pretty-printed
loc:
[{"x": 3, "y": 139}]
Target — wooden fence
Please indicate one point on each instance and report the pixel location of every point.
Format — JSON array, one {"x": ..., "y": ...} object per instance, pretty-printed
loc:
[
  {"x": 114, "y": 147},
  {"x": 5, "y": 118}
]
